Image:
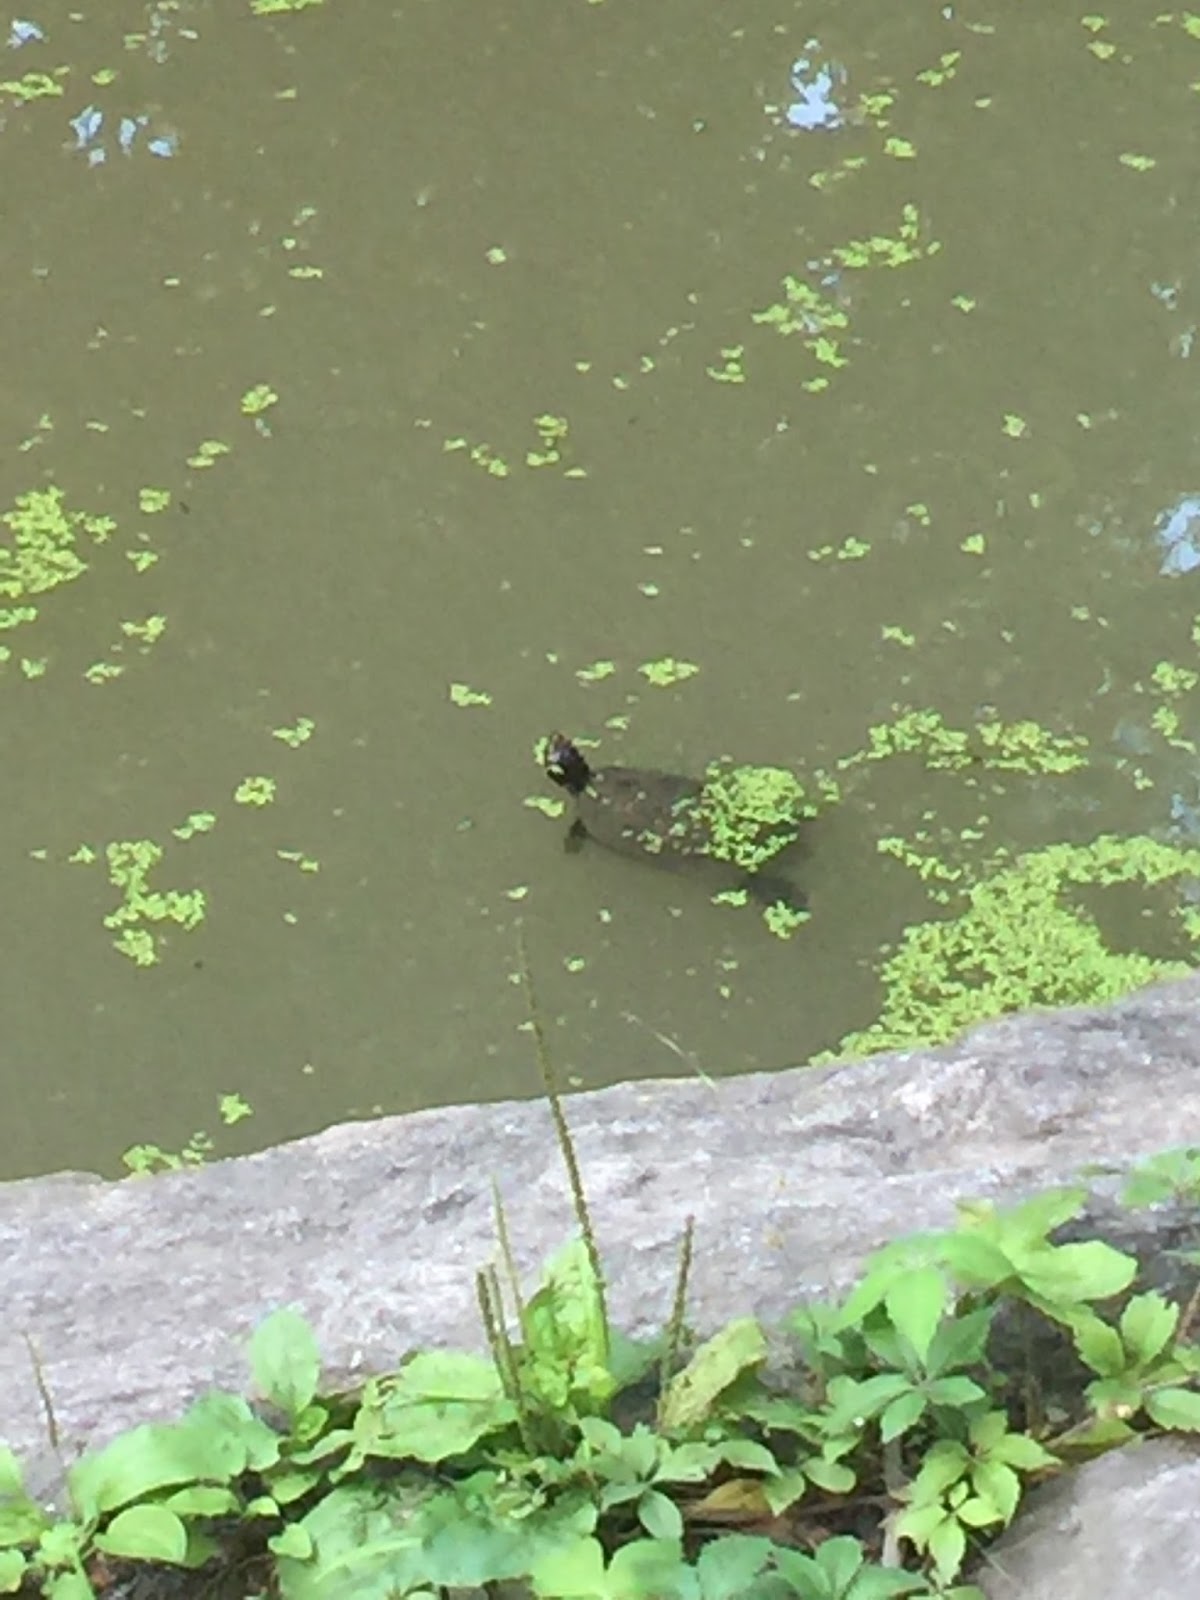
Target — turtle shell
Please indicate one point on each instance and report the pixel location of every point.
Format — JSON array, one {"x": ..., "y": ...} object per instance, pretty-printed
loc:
[{"x": 641, "y": 811}]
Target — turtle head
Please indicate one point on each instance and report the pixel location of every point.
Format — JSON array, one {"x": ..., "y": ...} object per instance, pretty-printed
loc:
[{"x": 564, "y": 764}]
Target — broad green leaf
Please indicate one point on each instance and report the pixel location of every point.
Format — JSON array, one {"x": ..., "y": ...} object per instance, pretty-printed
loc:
[
  {"x": 1168, "y": 1174},
  {"x": 956, "y": 1391},
  {"x": 606, "y": 1449},
  {"x": 903, "y": 1412},
  {"x": 887, "y": 1583},
  {"x": 1100, "y": 1346},
  {"x": 247, "y": 1438},
  {"x": 660, "y": 1516},
  {"x": 293, "y": 1484},
  {"x": 442, "y": 1375},
  {"x": 691, "y": 1394},
  {"x": 150, "y": 1458},
  {"x": 1115, "y": 1397},
  {"x": 865, "y": 1296},
  {"x": 1147, "y": 1326},
  {"x": 749, "y": 1455},
  {"x": 575, "y": 1570},
  {"x": 434, "y": 1430},
  {"x": 947, "y": 1546},
  {"x": 145, "y": 1533},
  {"x": 987, "y": 1430},
  {"x": 285, "y": 1361},
  {"x": 202, "y": 1500},
  {"x": 833, "y": 1476},
  {"x": 916, "y": 1303},
  {"x": 944, "y": 1463},
  {"x": 687, "y": 1463},
  {"x": 726, "y": 1566},
  {"x": 1031, "y": 1222},
  {"x": 961, "y": 1341},
  {"x": 918, "y": 1523},
  {"x": 12, "y": 1571},
  {"x": 631, "y": 1359},
  {"x": 645, "y": 1567},
  {"x": 22, "y": 1521},
  {"x": 61, "y": 1545},
  {"x": 1000, "y": 1486},
  {"x": 977, "y": 1262},
  {"x": 68, "y": 1586},
  {"x": 801, "y": 1573},
  {"x": 565, "y": 1357},
  {"x": 292, "y": 1540},
  {"x": 785, "y": 1490},
  {"x": 839, "y": 1560},
  {"x": 886, "y": 1267},
  {"x": 853, "y": 1402},
  {"x": 1073, "y": 1272},
  {"x": 977, "y": 1512},
  {"x": 1103, "y": 1433},
  {"x": 1019, "y": 1450},
  {"x": 12, "y": 1481},
  {"x": 438, "y": 1405},
  {"x": 1175, "y": 1408}
]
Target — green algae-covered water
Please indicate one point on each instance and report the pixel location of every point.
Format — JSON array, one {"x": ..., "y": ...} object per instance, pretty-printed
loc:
[{"x": 379, "y": 392}]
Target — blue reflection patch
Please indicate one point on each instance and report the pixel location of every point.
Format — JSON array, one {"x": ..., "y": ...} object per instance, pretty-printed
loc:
[
  {"x": 815, "y": 82},
  {"x": 1178, "y": 532},
  {"x": 88, "y": 128}
]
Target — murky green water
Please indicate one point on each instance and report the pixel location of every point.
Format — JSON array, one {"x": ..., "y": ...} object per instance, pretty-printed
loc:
[{"x": 421, "y": 235}]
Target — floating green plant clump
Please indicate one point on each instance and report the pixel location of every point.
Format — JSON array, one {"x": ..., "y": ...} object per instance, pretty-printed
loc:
[
  {"x": 130, "y": 862},
  {"x": 41, "y": 551},
  {"x": 751, "y": 813},
  {"x": 1004, "y": 746},
  {"x": 1021, "y": 942}
]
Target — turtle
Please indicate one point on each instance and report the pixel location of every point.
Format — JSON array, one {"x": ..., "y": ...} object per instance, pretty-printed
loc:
[{"x": 663, "y": 817}]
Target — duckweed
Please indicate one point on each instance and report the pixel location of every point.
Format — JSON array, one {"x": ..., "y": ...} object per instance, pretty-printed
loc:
[
  {"x": 258, "y": 791},
  {"x": 751, "y": 813},
  {"x": 461, "y": 694},
  {"x": 130, "y": 863},
  {"x": 258, "y": 400},
  {"x": 1020, "y": 942},
  {"x": 300, "y": 733},
  {"x": 667, "y": 671},
  {"x": 43, "y": 550}
]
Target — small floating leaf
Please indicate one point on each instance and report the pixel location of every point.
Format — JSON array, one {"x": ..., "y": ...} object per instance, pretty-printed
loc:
[
  {"x": 295, "y": 736},
  {"x": 667, "y": 671},
  {"x": 596, "y": 672},
  {"x": 543, "y": 803},
  {"x": 259, "y": 399},
  {"x": 257, "y": 791},
  {"x": 462, "y": 694}
]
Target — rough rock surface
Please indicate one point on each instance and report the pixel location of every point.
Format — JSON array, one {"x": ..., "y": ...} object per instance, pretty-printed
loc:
[
  {"x": 1123, "y": 1527},
  {"x": 139, "y": 1295}
]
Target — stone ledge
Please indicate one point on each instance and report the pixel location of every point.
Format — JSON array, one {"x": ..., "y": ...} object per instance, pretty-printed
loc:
[{"x": 141, "y": 1294}]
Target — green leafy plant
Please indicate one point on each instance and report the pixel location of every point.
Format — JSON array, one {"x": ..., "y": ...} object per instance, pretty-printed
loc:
[{"x": 581, "y": 1465}]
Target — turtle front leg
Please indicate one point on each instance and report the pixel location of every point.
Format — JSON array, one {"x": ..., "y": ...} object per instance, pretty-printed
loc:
[{"x": 574, "y": 837}]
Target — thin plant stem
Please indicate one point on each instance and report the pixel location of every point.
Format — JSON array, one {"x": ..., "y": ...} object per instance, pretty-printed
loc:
[
  {"x": 507, "y": 1259},
  {"x": 563, "y": 1134},
  {"x": 675, "y": 1327},
  {"x": 39, "y": 1377}
]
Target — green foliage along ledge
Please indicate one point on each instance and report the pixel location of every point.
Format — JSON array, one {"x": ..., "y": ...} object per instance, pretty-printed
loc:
[{"x": 581, "y": 1466}]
